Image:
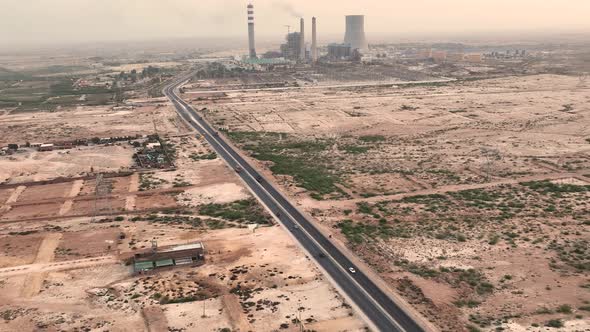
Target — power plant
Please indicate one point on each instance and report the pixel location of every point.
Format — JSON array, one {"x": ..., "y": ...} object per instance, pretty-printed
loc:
[
  {"x": 251, "y": 40},
  {"x": 295, "y": 49},
  {"x": 355, "y": 32}
]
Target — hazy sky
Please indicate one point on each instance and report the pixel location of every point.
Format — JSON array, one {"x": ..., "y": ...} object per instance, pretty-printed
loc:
[{"x": 31, "y": 21}]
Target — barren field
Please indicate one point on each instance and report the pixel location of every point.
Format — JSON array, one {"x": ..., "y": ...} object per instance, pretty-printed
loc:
[
  {"x": 65, "y": 241},
  {"x": 86, "y": 122},
  {"x": 469, "y": 198},
  {"x": 30, "y": 165},
  {"x": 245, "y": 284},
  {"x": 464, "y": 189}
]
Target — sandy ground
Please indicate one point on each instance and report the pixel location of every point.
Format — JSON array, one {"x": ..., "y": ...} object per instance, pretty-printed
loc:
[
  {"x": 479, "y": 136},
  {"x": 45, "y": 254},
  {"x": 63, "y": 273},
  {"x": 524, "y": 121},
  {"x": 219, "y": 194},
  {"x": 86, "y": 122},
  {"x": 30, "y": 165},
  {"x": 70, "y": 287}
]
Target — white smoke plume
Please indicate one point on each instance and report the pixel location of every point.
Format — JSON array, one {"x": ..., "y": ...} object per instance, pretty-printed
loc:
[{"x": 287, "y": 7}]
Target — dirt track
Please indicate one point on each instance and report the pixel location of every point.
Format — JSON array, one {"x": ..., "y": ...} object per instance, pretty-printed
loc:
[
  {"x": 45, "y": 254},
  {"x": 445, "y": 189},
  {"x": 39, "y": 268}
]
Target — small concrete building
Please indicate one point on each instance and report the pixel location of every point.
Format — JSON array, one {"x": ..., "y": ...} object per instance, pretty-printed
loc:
[
  {"x": 183, "y": 255},
  {"x": 455, "y": 57},
  {"x": 46, "y": 147},
  {"x": 474, "y": 58},
  {"x": 153, "y": 145}
]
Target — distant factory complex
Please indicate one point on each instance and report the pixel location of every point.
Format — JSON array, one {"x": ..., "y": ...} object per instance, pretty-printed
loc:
[
  {"x": 354, "y": 46},
  {"x": 296, "y": 49}
]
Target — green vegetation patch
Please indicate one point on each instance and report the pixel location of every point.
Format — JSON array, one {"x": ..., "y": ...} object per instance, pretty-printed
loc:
[
  {"x": 303, "y": 160},
  {"x": 203, "y": 156},
  {"x": 312, "y": 177},
  {"x": 574, "y": 253},
  {"x": 354, "y": 149},
  {"x": 555, "y": 323},
  {"x": 433, "y": 203},
  {"x": 372, "y": 138},
  {"x": 476, "y": 196},
  {"x": 243, "y": 211},
  {"x": 149, "y": 182},
  {"x": 475, "y": 279},
  {"x": 548, "y": 187},
  {"x": 360, "y": 232},
  {"x": 417, "y": 269}
]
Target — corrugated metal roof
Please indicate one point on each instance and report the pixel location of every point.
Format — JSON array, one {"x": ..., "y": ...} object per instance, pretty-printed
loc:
[
  {"x": 164, "y": 262},
  {"x": 183, "y": 261},
  {"x": 144, "y": 265},
  {"x": 190, "y": 246}
]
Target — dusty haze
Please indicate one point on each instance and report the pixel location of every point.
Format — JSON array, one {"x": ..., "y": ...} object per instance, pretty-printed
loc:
[{"x": 33, "y": 21}]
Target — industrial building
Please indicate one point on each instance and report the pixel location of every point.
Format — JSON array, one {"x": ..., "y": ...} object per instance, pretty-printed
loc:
[
  {"x": 295, "y": 48},
  {"x": 183, "y": 255},
  {"x": 292, "y": 48},
  {"x": 474, "y": 58},
  {"x": 455, "y": 57},
  {"x": 339, "y": 51},
  {"x": 355, "y": 32}
]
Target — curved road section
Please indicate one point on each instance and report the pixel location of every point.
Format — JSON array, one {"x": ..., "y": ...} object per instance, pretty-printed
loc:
[{"x": 383, "y": 313}]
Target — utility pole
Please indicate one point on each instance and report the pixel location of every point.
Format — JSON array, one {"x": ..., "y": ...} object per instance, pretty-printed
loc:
[
  {"x": 155, "y": 126},
  {"x": 299, "y": 316}
]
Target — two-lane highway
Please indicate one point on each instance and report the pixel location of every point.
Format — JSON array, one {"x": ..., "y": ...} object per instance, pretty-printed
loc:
[{"x": 379, "y": 308}]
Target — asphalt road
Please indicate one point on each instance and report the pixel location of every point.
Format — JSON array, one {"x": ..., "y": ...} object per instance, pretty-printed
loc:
[{"x": 384, "y": 313}]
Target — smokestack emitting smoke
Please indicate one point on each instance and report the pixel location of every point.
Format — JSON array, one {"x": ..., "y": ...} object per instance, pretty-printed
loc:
[
  {"x": 314, "y": 41},
  {"x": 302, "y": 40},
  {"x": 251, "y": 40}
]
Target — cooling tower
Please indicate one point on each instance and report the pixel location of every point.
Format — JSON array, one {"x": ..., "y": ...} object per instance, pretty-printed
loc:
[
  {"x": 251, "y": 40},
  {"x": 355, "y": 32},
  {"x": 314, "y": 41}
]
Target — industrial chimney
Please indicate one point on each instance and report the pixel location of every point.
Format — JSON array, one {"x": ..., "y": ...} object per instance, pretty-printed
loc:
[
  {"x": 302, "y": 40},
  {"x": 251, "y": 41},
  {"x": 355, "y": 32},
  {"x": 314, "y": 40}
]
